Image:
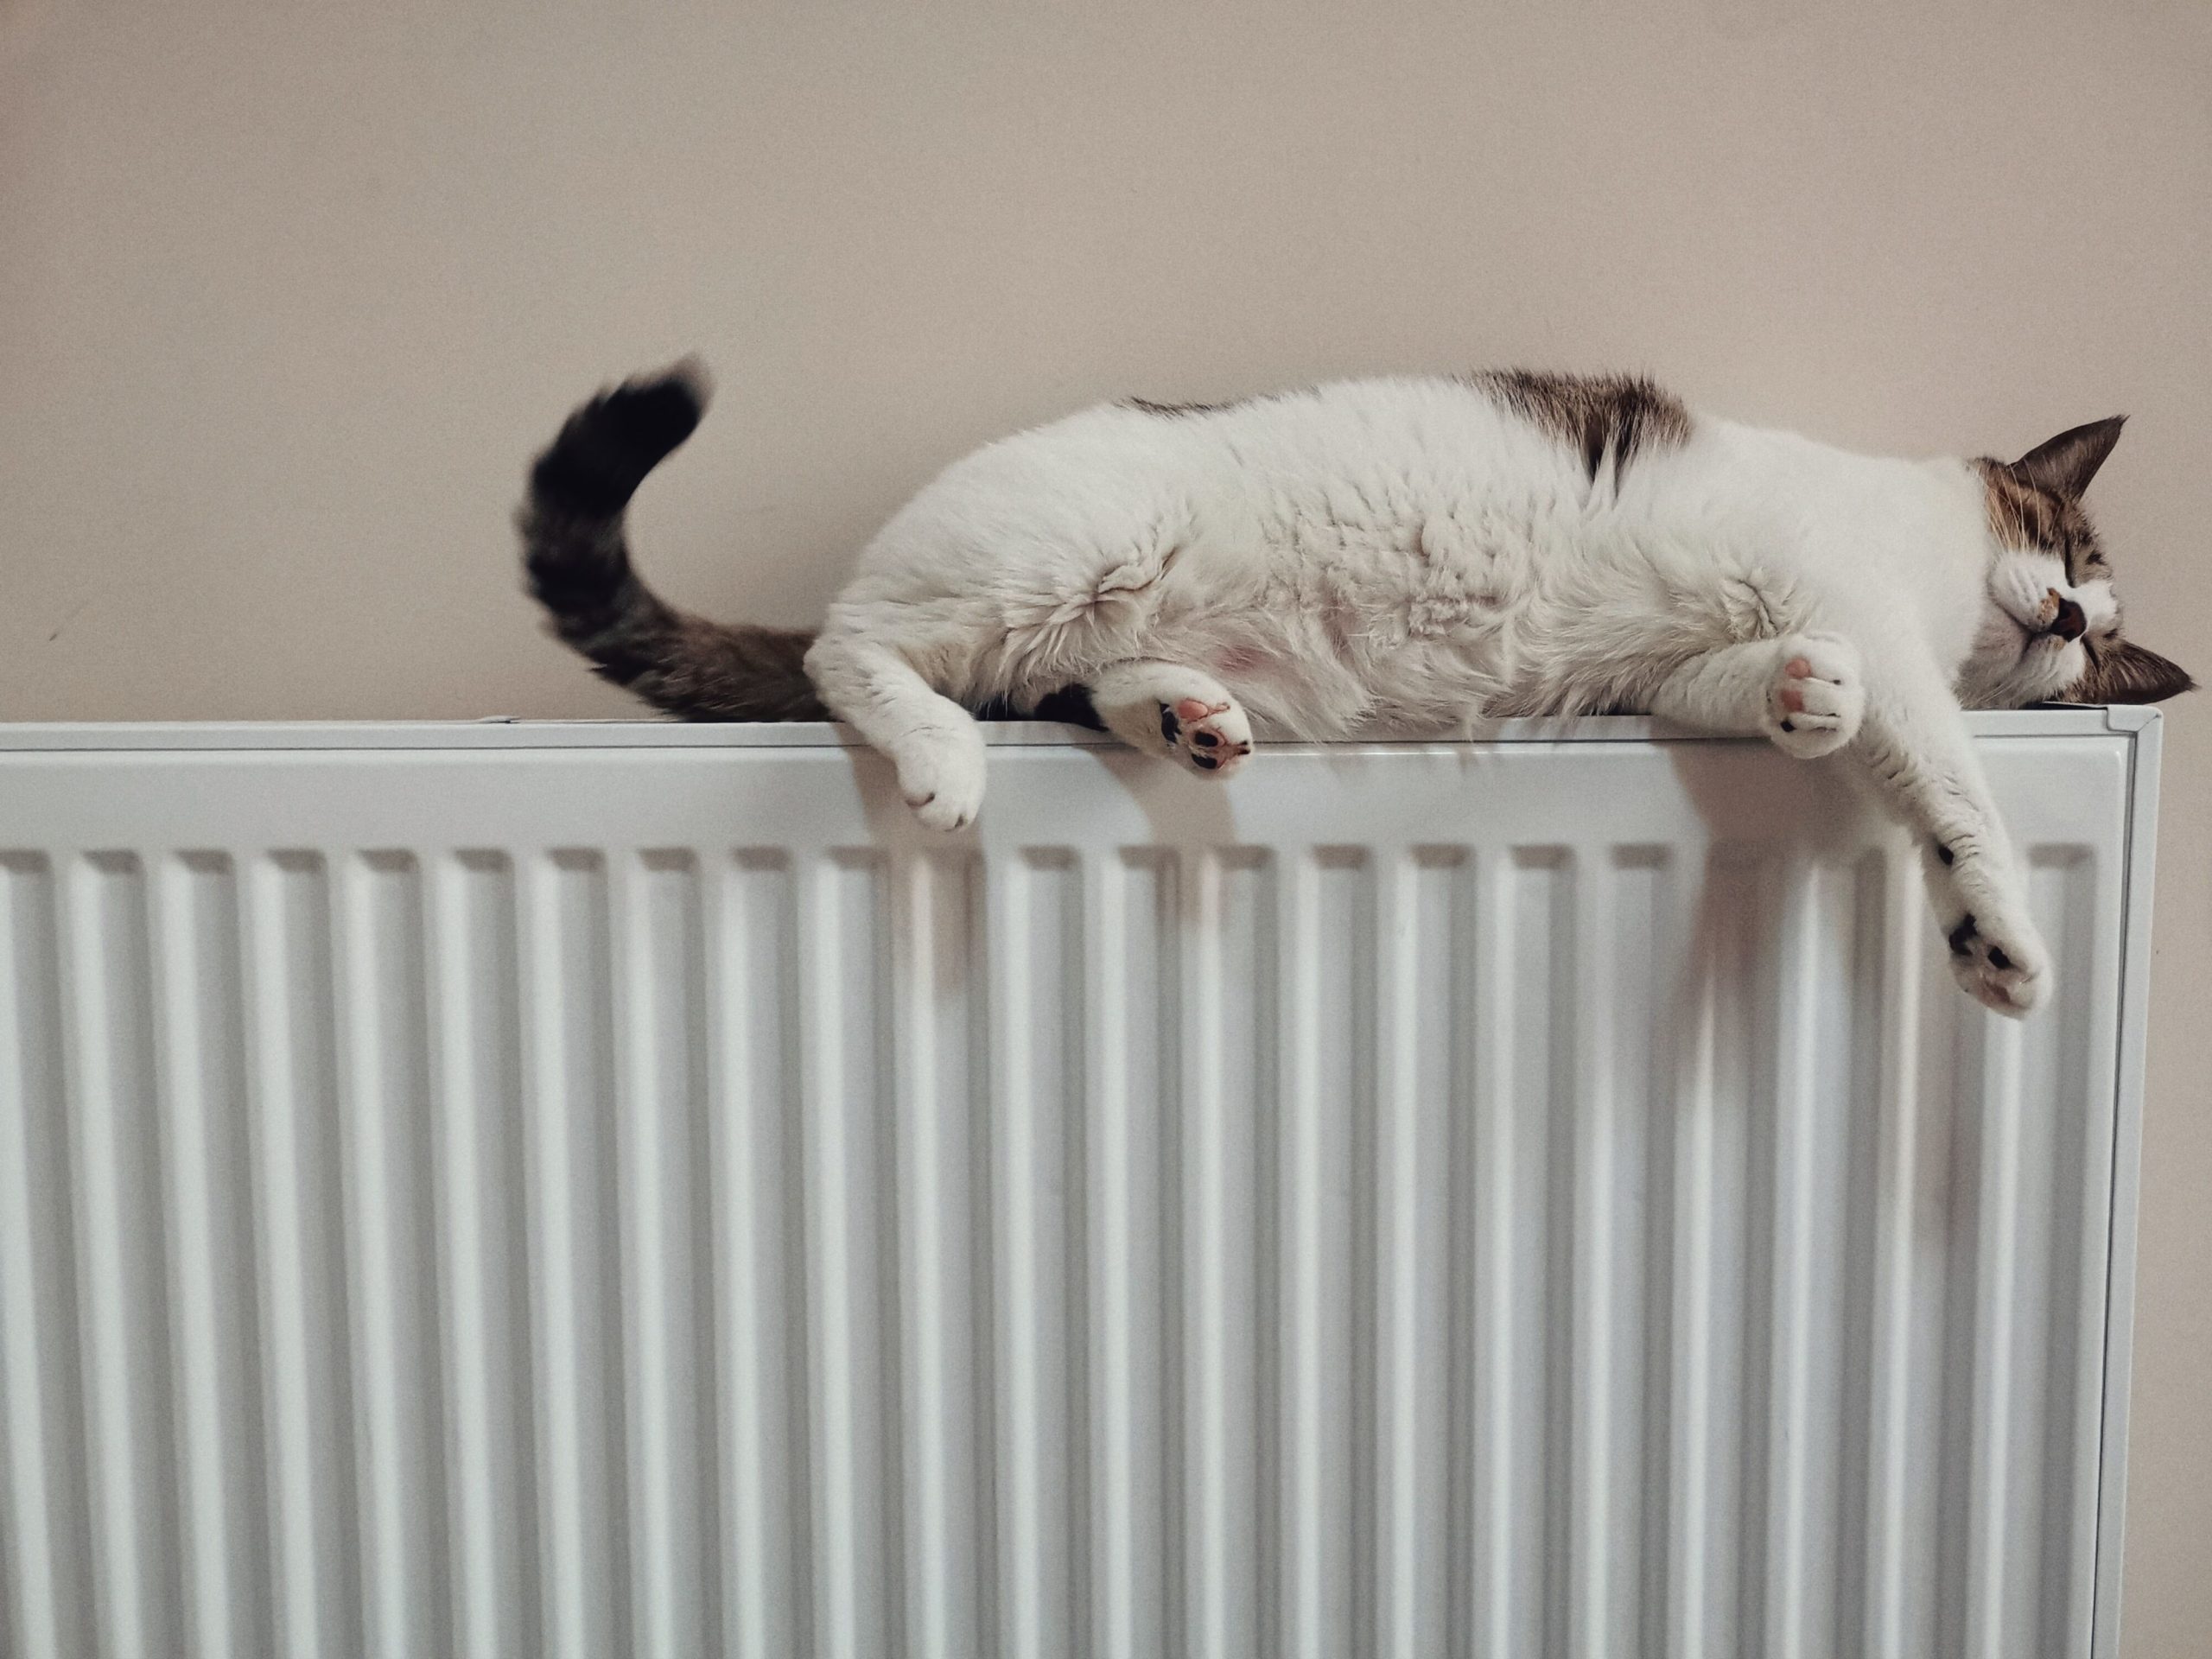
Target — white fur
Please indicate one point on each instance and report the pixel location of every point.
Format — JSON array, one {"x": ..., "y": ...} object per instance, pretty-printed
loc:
[{"x": 1407, "y": 555}]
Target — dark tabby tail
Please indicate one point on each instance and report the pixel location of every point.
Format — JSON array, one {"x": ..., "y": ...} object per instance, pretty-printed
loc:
[{"x": 578, "y": 562}]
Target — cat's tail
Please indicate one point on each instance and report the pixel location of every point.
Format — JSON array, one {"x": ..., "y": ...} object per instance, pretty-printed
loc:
[{"x": 577, "y": 559}]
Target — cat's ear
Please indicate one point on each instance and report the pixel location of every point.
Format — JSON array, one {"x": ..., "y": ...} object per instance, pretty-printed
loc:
[
  {"x": 2065, "y": 465},
  {"x": 2127, "y": 673}
]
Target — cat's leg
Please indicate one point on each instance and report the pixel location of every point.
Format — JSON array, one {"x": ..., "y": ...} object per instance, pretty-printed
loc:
[
  {"x": 1805, "y": 692},
  {"x": 1808, "y": 693},
  {"x": 1915, "y": 742},
  {"x": 934, "y": 742},
  {"x": 1167, "y": 709}
]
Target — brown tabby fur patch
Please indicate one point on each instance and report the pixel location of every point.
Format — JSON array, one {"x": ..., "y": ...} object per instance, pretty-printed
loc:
[
  {"x": 2026, "y": 515},
  {"x": 1619, "y": 415},
  {"x": 2122, "y": 671},
  {"x": 704, "y": 670}
]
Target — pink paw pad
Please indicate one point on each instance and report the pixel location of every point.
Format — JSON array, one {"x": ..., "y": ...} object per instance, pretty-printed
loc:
[
  {"x": 1195, "y": 727},
  {"x": 1790, "y": 697}
]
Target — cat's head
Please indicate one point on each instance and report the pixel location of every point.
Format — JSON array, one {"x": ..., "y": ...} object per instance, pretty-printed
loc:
[{"x": 2050, "y": 629}]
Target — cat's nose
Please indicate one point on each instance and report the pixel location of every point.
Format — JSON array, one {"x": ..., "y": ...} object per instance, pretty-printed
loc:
[{"x": 2069, "y": 624}]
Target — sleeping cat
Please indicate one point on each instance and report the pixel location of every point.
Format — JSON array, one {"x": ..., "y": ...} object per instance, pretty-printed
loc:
[{"x": 1408, "y": 555}]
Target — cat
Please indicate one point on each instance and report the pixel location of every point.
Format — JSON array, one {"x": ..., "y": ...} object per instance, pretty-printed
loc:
[{"x": 1409, "y": 554}]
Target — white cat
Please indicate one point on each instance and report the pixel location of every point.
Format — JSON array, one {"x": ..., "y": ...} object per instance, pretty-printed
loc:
[{"x": 1409, "y": 555}]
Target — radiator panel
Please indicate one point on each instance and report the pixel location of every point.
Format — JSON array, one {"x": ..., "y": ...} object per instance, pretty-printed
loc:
[{"x": 560, "y": 1191}]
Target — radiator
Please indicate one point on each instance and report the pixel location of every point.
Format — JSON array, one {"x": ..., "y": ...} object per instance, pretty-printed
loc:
[{"x": 596, "y": 1190}]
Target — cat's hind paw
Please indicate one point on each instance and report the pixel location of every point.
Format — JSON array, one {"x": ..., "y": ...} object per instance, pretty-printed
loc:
[
  {"x": 1208, "y": 737},
  {"x": 1179, "y": 714},
  {"x": 1817, "y": 696}
]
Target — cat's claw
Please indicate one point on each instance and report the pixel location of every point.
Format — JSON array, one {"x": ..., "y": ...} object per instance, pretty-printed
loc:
[
  {"x": 1818, "y": 695},
  {"x": 1213, "y": 738}
]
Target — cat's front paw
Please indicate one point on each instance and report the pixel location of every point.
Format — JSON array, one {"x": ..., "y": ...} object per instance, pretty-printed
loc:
[
  {"x": 941, "y": 775},
  {"x": 1996, "y": 955},
  {"x": 1817, "y": 695},
  {"x": 2000, "y": 966}
]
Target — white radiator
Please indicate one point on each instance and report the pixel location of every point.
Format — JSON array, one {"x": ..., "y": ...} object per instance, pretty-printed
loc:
[{"x": 604, "y": 1191}]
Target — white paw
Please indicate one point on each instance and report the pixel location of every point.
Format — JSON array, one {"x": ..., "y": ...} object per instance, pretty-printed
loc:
[
  {"x": 941, "y": 775},
  {"x": 1996, "y": 955},
  {"x": 2000, "y": 962},
  {"x": 1817, "y": 696},
  {"x": 1212, "y": 738}
]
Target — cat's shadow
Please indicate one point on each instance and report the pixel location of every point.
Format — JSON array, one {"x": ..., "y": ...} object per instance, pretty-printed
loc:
[
  {"x": 1770, "y": 822},
  {"x": 1762, "y": 811},
  {"x": 1178, "y": 811},
  {"x": 1750, "y": 796}
]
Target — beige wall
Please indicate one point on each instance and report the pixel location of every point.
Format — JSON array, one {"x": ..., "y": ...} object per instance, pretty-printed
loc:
[{"x": 288, "y": 293}]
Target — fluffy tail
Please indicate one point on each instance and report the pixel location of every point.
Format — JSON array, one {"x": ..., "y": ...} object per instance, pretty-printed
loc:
[{"x": 578, "y": 562}]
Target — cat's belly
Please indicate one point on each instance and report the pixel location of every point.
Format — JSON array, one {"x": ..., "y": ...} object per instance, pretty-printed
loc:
[
  {"x": 1321, "y": 674},
  {"x": 1415, "y": 623}
]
